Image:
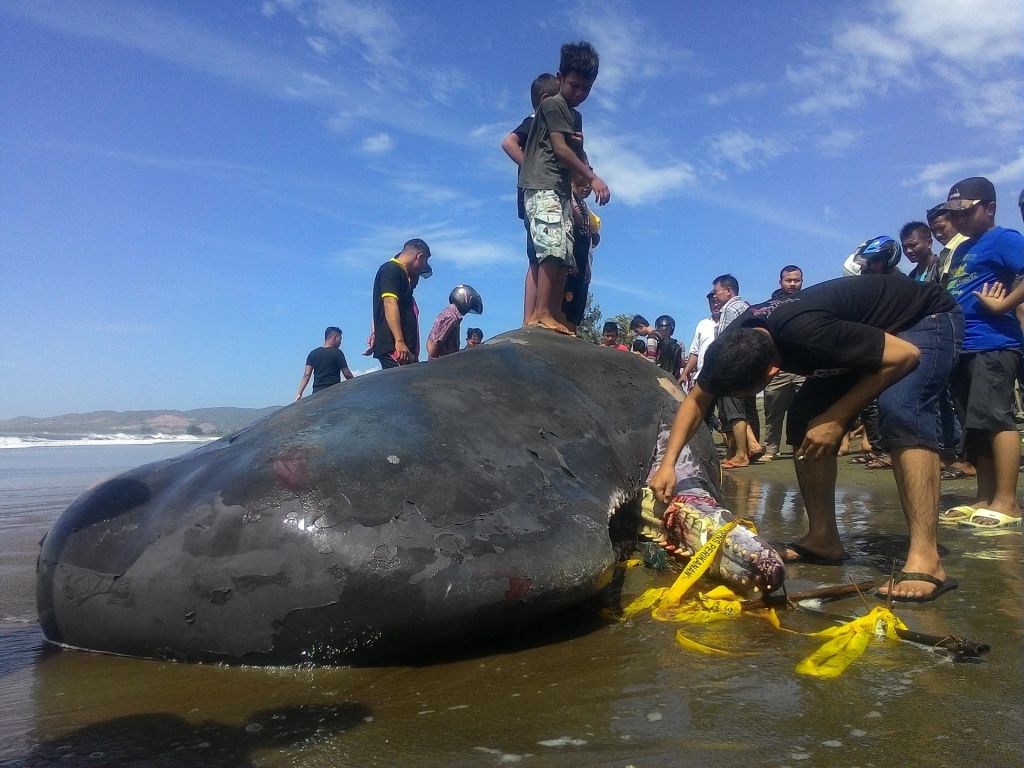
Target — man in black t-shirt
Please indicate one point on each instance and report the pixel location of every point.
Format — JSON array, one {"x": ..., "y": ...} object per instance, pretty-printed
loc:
[
  {"x": 876, "y": 336},
  {"x": 325, "y": 364},
  {"x": 396, "y": 339}
]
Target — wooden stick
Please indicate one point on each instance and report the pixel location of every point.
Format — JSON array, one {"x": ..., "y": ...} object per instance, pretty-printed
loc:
[
  {"x": 839, "y": 590},
  {"x": 960, "y": 647}
]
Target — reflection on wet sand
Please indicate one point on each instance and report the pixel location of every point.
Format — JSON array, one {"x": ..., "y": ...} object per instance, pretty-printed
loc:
[{"x": 576, "y": 691}]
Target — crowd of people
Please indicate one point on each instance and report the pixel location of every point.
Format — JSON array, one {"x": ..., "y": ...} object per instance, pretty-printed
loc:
[{"x": 924, "y": 363}]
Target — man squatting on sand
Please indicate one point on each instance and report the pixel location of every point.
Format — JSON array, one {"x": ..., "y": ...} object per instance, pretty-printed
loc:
[{"x": 878, "y": 336}]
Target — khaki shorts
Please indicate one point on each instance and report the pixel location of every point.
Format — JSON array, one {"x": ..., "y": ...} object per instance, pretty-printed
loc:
[{"x": 550, "y": 225}]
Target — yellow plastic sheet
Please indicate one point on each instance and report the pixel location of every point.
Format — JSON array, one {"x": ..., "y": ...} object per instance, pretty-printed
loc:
[{"x": 848, "y": 641}]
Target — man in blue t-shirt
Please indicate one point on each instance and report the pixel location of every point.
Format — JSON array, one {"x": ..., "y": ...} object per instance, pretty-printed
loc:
[{"x": 984, "y": 269}]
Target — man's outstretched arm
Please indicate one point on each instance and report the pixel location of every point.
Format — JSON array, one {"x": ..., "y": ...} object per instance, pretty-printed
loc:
[{"x": 688, "y": 418}]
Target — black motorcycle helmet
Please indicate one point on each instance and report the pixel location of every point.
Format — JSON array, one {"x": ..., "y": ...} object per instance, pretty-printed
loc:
[
  {"x": 466, "y": 300},
  {"x": 665, "y": 326}
]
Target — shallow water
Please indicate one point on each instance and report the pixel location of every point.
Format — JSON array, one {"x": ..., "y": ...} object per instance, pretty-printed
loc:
[{"x": 575, "y": 691}]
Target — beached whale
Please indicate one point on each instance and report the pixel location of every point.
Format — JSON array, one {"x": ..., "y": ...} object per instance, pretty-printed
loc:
[{"x": 377, "y": 518}]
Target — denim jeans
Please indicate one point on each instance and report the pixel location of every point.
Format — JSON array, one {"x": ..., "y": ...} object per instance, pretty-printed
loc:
[{"x": 909, "y": 409}]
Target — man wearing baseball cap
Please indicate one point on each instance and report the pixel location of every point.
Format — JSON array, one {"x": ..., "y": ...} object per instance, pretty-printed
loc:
[{"x": 983, "y": 270}]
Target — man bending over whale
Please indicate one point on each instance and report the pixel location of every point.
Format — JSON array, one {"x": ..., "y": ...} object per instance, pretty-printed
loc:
[{"x": 878, "y": 336}]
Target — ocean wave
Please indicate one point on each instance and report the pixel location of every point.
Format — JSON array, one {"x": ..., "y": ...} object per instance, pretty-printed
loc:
[{"x": 56, "y": 441}]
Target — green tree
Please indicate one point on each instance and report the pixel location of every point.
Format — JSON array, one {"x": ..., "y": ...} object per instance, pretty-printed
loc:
[{"x": 589, "y": 329}]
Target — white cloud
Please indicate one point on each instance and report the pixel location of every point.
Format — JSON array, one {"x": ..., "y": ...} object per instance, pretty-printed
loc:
[
  {"x": 737, "y": 91},
  {"x": 450, "y": 244},
  {"x": 837, "y": 141},
  {"x": 371, "y": 30},
  {"x": 972, "y": 33},
  {"x": 972, "y": 46},
  {"x": 379, "y": 144},
  {"x": 935, "y": 180},
  {"x": 490, "y": 131},
  {"x": 630, "y": 51},
  {"x": 743, "y": 151},
  {"x": 171, "y": 38},
  {"x": 633, "y": 179},
  {"x": 1009, "y": 172},
  {"x": 436, "y": 194},
  {"x": 320, "y": 45}
]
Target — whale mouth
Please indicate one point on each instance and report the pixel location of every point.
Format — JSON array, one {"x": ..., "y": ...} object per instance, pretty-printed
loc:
[{"x": 744, "y": 561}]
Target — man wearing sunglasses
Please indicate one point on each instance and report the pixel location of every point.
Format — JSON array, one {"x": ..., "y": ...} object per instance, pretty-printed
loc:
[{"x": 985, "y": 279}]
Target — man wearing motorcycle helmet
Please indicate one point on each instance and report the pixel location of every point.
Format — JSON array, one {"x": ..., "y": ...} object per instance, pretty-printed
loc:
[
  {"x": 877, "y": 256},
  {"x": 444, "y": 334},
  {"x": 670, "y": 352}
]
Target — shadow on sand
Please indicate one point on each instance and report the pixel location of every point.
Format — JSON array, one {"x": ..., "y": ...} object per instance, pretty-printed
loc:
[{"x": 164, "y": 740}]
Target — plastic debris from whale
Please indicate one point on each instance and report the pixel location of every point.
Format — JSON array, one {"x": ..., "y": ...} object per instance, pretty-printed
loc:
[{"x": 384, "y": 515}]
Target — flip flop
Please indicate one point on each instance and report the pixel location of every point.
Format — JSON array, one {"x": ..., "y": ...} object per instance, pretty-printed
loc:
[
  {"x": 729, "y": 465},
  {"x": 956, "y": 515},
  {"x": 809, "y": 557},
  {"x": 864, "y": 458},
  {"x": 953, "y": 473},
  {"x": 881, "y": 461},
  {"x": 998, "y": 520},
  {"x": 941, "y": 587}
]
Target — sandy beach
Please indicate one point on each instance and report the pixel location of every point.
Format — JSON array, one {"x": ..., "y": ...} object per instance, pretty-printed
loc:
[{"x": 576, "y": 690}]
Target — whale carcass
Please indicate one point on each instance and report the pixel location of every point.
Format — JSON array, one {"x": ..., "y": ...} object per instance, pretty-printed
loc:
[{"x": 387, "y": 514}]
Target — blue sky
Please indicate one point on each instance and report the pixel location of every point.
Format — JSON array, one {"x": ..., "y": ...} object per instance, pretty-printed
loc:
[{"x": 190, "y": 192}]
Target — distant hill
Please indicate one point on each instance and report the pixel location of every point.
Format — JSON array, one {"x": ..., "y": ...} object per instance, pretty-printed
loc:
[{"x": 201, "y": 421}]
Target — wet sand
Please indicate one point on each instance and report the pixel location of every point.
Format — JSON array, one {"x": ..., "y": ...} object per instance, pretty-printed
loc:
[{"x": 575, "y": 691}]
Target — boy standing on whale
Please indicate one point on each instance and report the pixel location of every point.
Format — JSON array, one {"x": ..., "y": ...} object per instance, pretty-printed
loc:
[{"x": 552, "y": 155}]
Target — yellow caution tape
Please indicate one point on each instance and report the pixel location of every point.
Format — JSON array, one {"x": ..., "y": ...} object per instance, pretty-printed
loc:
[
  {"x": 698, "y": 564},
  {"x": 847, "y": 642},
  {"x": 693, "y": 645},
  {"x": 844, "y": 644},
  {"x": 646, "y": 599}
]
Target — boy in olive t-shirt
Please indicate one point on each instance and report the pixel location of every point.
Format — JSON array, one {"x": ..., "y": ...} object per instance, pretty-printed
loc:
[{"x": 552, "y": 155}]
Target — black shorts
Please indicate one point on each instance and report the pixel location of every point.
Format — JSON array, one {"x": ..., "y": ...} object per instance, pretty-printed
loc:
[
  {"x": 982, "y": 388},
  {"x": 732, "y": 409},
  {"x": 814, "y": 398}
]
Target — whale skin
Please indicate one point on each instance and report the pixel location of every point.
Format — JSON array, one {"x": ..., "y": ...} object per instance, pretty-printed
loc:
[{"x": 383, "y": 516}]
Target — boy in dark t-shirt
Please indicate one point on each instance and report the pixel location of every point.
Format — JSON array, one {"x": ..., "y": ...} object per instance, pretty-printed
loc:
[{"x": 877, "y": 336}]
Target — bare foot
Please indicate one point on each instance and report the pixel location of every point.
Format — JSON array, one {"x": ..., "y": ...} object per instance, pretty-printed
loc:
[
  {"x": 735, "y": 463},
  {"x": 547, "y": 321}
]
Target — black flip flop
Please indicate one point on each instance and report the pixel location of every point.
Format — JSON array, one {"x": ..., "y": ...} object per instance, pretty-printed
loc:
[
  {"x": 808, "y": 557},
  {"x": 941, "y": 587}
]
